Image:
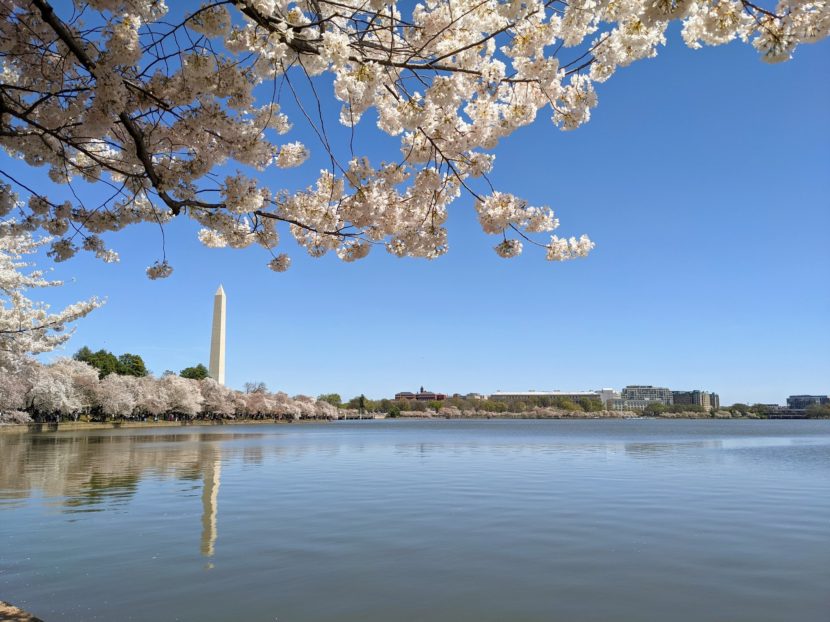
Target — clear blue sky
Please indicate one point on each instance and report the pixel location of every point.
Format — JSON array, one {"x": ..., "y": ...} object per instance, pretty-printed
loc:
[{"x": 703, "y": 179}]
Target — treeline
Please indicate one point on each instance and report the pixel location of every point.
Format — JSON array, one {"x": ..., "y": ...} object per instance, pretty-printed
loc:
[
  {"x": 107, "y": 363},
  {"x": 654, "y": 409},
  {"x": 818, "y": 410},
  {"x": 813, "y": 410},
  {"x": 129, "y": 365},
  {"x": 70, "y": 389},
  {"x": 395, "y": 407}
]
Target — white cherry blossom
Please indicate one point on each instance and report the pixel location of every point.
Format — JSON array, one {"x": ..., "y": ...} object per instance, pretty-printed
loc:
[
  {"x": 27, "y": 326},
  {"x": 156, "y": 105}
]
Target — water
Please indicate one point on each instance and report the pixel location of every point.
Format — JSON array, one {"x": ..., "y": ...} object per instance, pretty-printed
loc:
[{"x": 421, "y": 520}]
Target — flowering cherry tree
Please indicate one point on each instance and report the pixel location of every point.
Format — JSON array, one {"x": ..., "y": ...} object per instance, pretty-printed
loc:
[
  {"x": 68, "y": 389},
  {"x": 27, "y": 326},
  {"x": 152, "y": 105}
]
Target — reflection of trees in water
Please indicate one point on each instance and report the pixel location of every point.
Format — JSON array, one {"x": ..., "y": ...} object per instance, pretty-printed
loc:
[
  {"x": 651, "y": 449},
  {"x": 97, "y": 472},
  {"x": 108, "y": 489},
  {"x": 88, "y": 469}
]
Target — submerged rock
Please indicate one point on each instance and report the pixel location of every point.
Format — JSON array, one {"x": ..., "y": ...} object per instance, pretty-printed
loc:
[{"x": 10, "y": 613}]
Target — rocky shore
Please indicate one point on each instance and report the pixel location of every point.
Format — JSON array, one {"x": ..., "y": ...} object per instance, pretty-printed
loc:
[{"x": 10, "y": 613}]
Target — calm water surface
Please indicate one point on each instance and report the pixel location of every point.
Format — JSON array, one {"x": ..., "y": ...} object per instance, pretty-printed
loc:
[{"x": 421, "y": 521}]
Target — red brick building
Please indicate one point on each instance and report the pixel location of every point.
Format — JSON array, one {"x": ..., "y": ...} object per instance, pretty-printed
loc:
[{"x": 421, "y": 396}]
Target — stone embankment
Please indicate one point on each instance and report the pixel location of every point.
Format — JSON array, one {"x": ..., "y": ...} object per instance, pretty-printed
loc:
[{"x": 75, "y": 426}]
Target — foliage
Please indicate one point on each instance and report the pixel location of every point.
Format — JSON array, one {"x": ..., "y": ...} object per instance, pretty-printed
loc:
[
  {"x": 332, "y": 398},
  {"x": 197, "y": 372},
  {"x": 131, "y": 365},
  {"x": 653, "y": 409},
  {"x": 590, "y": 405},
  {"x": 818, "y": 410},
  {"x": 362, "y": 404},
  {"x": 158, "y": 105},
  {"x": 107, "y": 363}
]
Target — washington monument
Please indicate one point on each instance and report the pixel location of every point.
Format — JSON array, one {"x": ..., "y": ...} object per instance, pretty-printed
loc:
[{"x": 217, "y": 338}]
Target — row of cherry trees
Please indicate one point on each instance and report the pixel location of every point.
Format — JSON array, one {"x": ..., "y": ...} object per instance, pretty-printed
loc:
[{"x": 68, "y": 389}]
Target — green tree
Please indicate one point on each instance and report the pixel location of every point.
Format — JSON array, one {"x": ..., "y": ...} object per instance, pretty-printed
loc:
[
  {"x": 590, "y": 405},
  {"x": 199, "y": 372},
  {"x": 685, "y": 408},
  {"x": 105, "y": 362},
  {"x": 332, "y": 398},
  {"x": 358, "y": 403},
  {"x": 84, "y": 355},
  {"x": 653, "y": 409},
  {"x": 131, "y": 365},
  {"x": 566, "y": 404},
  {"x": 818, "y": 410}
]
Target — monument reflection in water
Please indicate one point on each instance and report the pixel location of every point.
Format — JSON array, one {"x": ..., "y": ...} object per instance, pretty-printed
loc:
[
  {"x": 211, "y": 473},
  {"x": 100, "y": 473}
]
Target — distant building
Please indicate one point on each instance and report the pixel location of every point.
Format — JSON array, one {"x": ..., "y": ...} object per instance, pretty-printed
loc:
[
  {"x": 638, "y": 396},
  {"x": 697, "y": 398},
  {"x": 421, "y": 396},
  {"x": 606, "y": 395},
  {"x": 802, "y": 402},
  {"x": 648, "y": 393}
]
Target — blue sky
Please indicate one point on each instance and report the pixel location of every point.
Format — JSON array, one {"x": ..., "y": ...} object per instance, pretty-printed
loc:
[{"x": 702, "y": 178}]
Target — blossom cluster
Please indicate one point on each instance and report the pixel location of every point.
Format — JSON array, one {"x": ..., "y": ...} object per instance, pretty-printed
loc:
[
  {"x": 120, "y": 99},
  {"x": 27, "y": 326}
]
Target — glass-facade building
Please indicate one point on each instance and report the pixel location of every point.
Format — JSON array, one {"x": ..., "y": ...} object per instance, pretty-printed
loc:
[
  {"x": 697, "y": 398},
  {"x": 648, "y": 393},
  {"x": 802, "y": 402},
  {"x": 638, "y": 396}
]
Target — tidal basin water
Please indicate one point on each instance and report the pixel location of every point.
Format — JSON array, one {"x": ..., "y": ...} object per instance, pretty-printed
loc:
[{"x": 421, "y": 521}]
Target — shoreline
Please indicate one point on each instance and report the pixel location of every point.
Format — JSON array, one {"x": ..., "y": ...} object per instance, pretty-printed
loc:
[
  {"x": 77, "y": 426},
  {"x": 16, "y": 614},
  {"x": 74, "y": 426}
]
